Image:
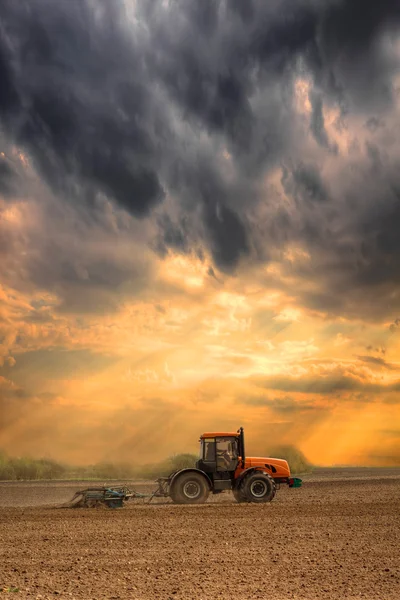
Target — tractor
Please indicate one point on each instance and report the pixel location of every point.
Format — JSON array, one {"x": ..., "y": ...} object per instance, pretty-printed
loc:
[{"x": 223, "y": 465}]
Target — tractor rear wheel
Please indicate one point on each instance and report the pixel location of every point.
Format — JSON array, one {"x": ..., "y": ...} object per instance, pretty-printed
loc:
[
  {"x": 259, "y": 487},
  {"x": 190, "y": 488}
]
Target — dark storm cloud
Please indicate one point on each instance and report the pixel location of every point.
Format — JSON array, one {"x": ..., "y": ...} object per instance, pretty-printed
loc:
[
  {"x": 354, "y": 246},
  {"x": 57, "y": 363},
  {"x": 373, "y": 124},
  {"x": 317, "y": 124},
  {"x": 395, "y": 325},
  {"x": 74, "y": 94},
  {"x": 311, "y": 385},
  {"x": 284, "y": 406},
  {"x": 213, "y": 204},
  {"x": 304, "y": 182},
  {"x": 228, "y": 69},
  {"x": 86, "y": 279},
  {"x": 378, "y": 361},
  {"x": 214, "y": 57},
  {"x": 369, "y": 263},
  {"x": 173, "y": 235},
  {"x": 340, "y": 44},
  {"x": 137, "y": 111},
  {"x": 326, "y": 384},
  {"x": 7, "y": 176},
  {"x": 379, "y": 349},
  {"x": 89, "y": 264},
  {"x": 228, "y": 235},
  {"x": 350, "y": 36},
  {"x": 40, "y": 317}
]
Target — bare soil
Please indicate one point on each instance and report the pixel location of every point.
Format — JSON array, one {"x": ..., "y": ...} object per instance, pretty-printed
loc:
[{"x": 337, "y": 537}]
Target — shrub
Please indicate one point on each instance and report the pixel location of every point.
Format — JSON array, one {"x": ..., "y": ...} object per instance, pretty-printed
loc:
[
  {"x": 111, "y": 471},
  {"x": 6, "y": 469},
  {"x": 24, "y": 468},
  {"x": 167, "y": 466},
  {"x": 298, "y": 463},
  {"x": 182, "y": 461},
  {"x": 50, "y": 469}
]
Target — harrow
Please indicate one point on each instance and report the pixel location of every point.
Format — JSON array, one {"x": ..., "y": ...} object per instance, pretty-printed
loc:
[
  {"x": 112, "y": 497},
  {"x": 93, "y": 497}
]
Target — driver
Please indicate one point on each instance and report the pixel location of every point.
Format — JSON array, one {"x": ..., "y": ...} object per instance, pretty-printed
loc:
[{"x": 224, "y": 458}]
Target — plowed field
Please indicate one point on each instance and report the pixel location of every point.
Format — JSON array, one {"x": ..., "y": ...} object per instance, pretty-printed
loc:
[{"x": 337, "y": 537}]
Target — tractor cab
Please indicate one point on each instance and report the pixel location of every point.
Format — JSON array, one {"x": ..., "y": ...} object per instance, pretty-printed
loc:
[{"x": 220, "y": 452}]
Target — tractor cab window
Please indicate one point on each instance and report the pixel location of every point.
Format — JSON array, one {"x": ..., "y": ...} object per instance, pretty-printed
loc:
[
  {"x": 207, "y": 450},
  {"x": 227, "y": 453}
]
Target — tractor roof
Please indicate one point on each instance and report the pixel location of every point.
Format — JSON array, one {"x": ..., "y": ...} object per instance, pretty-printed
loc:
[{"x": 219, "y": 434}]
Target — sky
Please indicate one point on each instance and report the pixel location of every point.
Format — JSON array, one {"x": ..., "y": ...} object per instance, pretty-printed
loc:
[{"x": 199, "y": 227}]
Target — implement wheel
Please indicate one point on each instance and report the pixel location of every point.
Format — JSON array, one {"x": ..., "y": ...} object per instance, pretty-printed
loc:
[
  {"x": 259, "y": 487},
  {"x": 190, "y": 488}
]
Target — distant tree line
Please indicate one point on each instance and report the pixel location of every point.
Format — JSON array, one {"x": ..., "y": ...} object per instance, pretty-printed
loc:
[{"x": 25, "y": 468}]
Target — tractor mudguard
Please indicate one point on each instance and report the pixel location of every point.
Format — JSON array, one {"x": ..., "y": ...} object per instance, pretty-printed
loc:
[
  {"x": 246, "y": 472},
  {"x": 176, "y": 474}
]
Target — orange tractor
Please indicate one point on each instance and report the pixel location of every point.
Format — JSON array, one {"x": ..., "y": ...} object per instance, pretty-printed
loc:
[{"x": 223, "y": 465}]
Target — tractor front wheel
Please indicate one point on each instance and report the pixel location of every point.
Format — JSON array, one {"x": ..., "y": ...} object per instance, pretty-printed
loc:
[
  {"x": 190, "y": 488},
  {"x": 239, "y": 495},
  {"x": 259, "y": 487}
]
